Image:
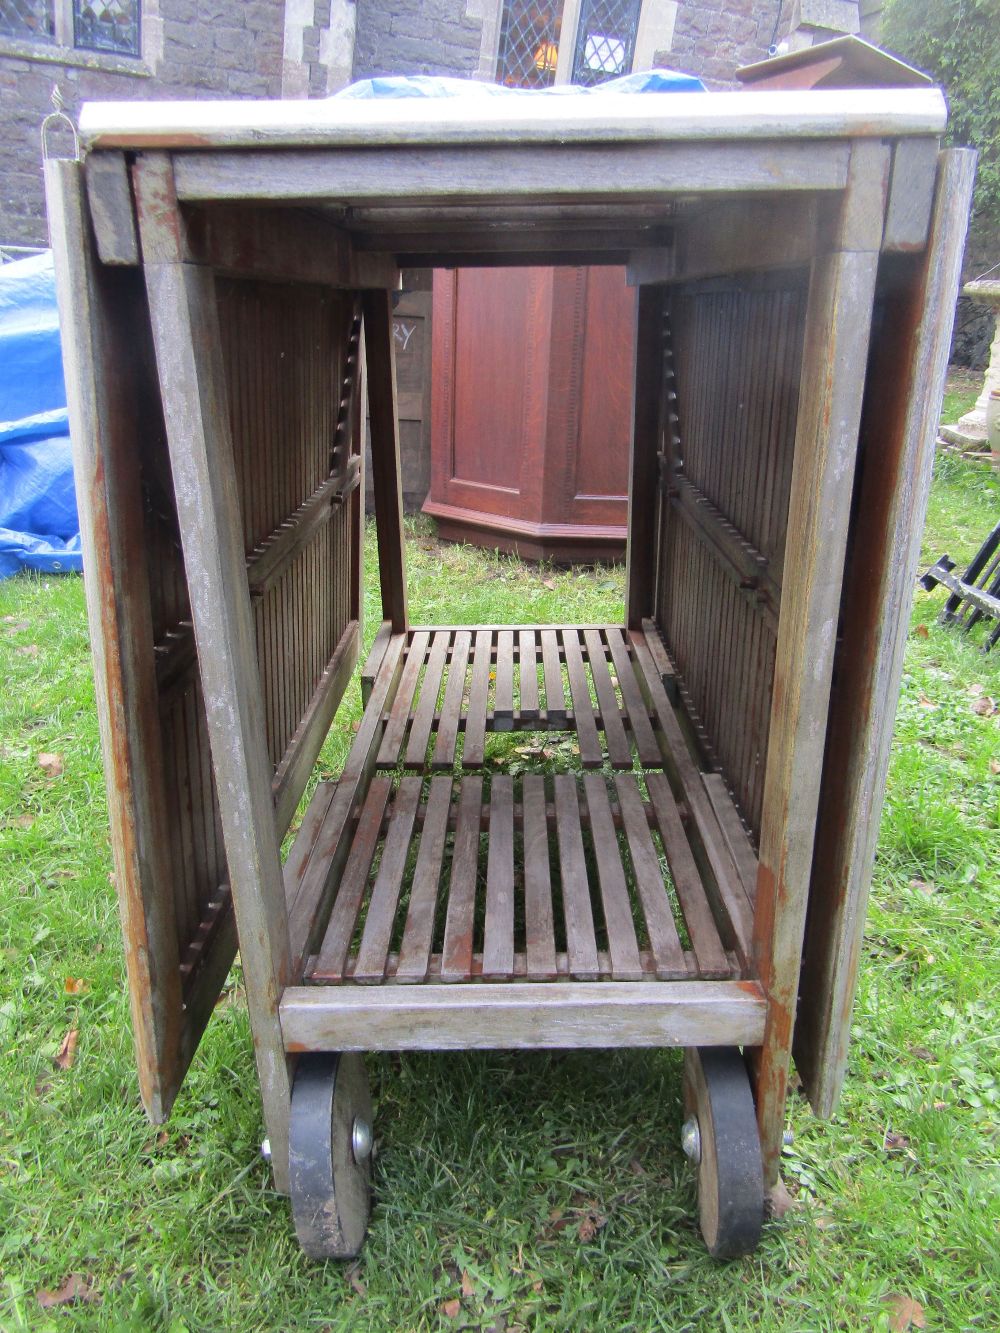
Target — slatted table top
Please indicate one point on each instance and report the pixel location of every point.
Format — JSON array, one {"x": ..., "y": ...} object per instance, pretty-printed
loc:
[{"x": 452, "y": 858}]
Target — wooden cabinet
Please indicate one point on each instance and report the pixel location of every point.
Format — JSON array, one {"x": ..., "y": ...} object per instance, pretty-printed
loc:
[{"x": 531, "y": 409}]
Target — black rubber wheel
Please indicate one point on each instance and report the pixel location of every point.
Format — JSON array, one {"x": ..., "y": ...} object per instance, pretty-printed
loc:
[
  {"x": 329, "y": 1157},
  {"x": 730, "y": 1171}
]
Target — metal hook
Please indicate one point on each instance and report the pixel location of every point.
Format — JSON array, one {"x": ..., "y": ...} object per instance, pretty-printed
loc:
[{"x": 58, "y": 116}]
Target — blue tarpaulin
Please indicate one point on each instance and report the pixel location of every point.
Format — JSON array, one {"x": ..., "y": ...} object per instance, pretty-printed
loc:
[
  {"x": 38, "y": 522},
  {"x": 429, "y": 85}
]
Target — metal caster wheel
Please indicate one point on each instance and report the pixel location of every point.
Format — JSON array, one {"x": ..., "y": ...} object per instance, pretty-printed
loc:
[
  {"x": 720, "y": 1136},
  {"x": 329, "y": 1158}
]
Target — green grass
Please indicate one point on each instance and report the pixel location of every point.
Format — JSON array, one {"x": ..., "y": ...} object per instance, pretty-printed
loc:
[{"x": 488, "y": 1164}]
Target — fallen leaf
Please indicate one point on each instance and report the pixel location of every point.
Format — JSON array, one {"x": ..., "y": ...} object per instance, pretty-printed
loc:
[
  {"x": 50, "y": 764},
  {"x": 550, "y": 584},
  {"x": 905, "y": 1313},
  {"x": 780, "y": 1201},
  {"x": 23, "y": 821},
  {"x": 468, "y": 1287},
  {"x": 16, "y": 626},
  {"x": 924, "y": 886},
  {"x": 995, "y": 765},
  {"x": 67, "y": 1050},
  {"x": 536, "y": 1287},
  {"x": 353, "y": 1276},
  {"x": 984, "y": 706},
  {"x": 591, "y": 1224},
  {"x": 76, "y": 986},
  {"x": 924, "y": 701},
  {"x": 921, "y": 1053},
  {"x": 356, "y": 725},
  {"x": 452, "y": 1309},
  {"x": 922, "y": 632},
  {"x": 975, "y": 689},
  {"x": 29, "y": 650},
  {"x": 75, "y": 1289},
  {"x": 636, "y": 1167},
  {"x": 824, "y": 1222},
  {"x": 894, "y": 1142}
]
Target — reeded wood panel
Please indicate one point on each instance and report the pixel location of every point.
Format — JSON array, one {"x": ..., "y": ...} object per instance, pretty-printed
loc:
[{"x": 734, "y": 355}]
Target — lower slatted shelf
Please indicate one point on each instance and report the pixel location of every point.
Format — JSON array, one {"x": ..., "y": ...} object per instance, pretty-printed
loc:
[{"x": 614, "y": 874}]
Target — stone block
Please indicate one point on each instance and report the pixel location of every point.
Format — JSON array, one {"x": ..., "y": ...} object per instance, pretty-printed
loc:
[{"x": 836, "y": 15}]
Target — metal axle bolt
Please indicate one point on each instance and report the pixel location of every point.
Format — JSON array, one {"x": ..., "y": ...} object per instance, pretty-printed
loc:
[
  {"x": 361, "y": 1139},
  {"x": 691, "y": 1140}
]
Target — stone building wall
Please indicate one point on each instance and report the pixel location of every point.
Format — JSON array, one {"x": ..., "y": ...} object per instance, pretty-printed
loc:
[
  {"x": 190, "y": 48},
  {"x": 417, "y": 37}
]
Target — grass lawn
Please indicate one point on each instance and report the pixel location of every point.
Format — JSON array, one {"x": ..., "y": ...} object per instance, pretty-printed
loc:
[{"x": 512, "y": 1191}]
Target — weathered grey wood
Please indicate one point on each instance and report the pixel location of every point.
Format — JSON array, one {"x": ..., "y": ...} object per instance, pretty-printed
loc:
[
  {"x": 423, "y": 717},
  {"x": 372, "y": 662},
  {"x": 643, "y": 475},
  {"x": 443, "y": 755},
  {"x": 838, "y": 318},
  {"x": 188, "y": 346},
  {"x": 112, "y": 216},
  {"x": 585, "y": 725},
  {"x": 473, "y": 744},
  {"x": 305, "y": 838},
  {"x": 592, "y": 172},
  {"x": 737, "y": 840},
  {"x": 578, "y": 917},
  {"x": 540, "y": 946},
  {"x": 269, "y": 560},
  {"x": 642, "y": 731},
  {"x": 619, "y": 750},
  {"x": 899, "y": 450},
  {"x": 377, "y": 935},
  {"x": 395, "y": 728},
  {"x": 380, "y": 364},
  {"x": 456, "y": 956},
  {"x": 524, "y": 1015},
  {"x": 664, "y": 942},
  {"x": 911, "y": 194},
  {"x": 503, "y": 690},
  {"x": 623, "y": 947},
  {"x": 103, "y": 416},
  {"x": 498, "y": 931},
  {"x": 743, "y": 235},
  {"x": 654, "y": 644},
  {"x": 734, "y": 116},
  {"x": 331, "y": 962},
  {"x": 528, "y": 663},
  {"x": 555, "y": 694},
  {"x": 418, "y": 932}
]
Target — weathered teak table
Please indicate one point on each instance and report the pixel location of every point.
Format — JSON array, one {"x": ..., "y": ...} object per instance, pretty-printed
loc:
[{"x": 698, "y": 878}]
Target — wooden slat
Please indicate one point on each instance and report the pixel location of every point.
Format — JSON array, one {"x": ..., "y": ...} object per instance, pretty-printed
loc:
[
  {"x": 591, "y": 754},
  {"x": 374, "y": 660},
  {"x": 555, "y": 695},
  {"x": 732, "y": 896},
  {"x": 498, "y": 936},
  {"x": 581, "y": 944},
  {"x": 451, "y": 709},
  {"x": 525, "y": 1015},
  {"x": 384, "y": 437},
  {"x": 473, "y": 744},
  {"x": 701, "y": 927},
  {"x": 623, "y": 947},
  {"x": 418, "y": 933},
  {"x": 740, "y": 847},
  {"x": 377, "y": 936},
  {"x": 642, "y": 731},
  {"x": 528, "y": 661},
  {"x": 664, "y": 941},
  {"x": 112, "y": 216},
  {"x": 395, "y": 728},
  {"x": 305, "y": 838},
  {"x": 665, "y": 668},
  {"x": 456, "y": 956},
  {"x": 503, "y": 706},
  {"x": 643, "y": 479},
  {"x": 423, "y": 717},
  {"x": 538, "y": 924},
  {"x": 332, "y": 960},
  {"x": 619, "y": 750}
]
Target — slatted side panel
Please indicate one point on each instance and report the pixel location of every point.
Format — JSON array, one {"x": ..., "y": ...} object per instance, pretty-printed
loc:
[
  {"x": 286, "y": 349},
  {"x": 736, "y": 360}
]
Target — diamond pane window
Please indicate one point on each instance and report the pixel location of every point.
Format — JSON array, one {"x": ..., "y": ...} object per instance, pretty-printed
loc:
[
  {"x": 32, "y": 20},
  {"x": 529, "y": 44},
  {"x": 107, "y": 25},
  {"x": 605, "y": 42}
]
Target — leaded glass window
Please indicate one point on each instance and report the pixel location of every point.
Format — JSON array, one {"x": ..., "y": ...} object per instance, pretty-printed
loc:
[
  {"x": 605, "y": 40},
  {"x": 31, "y": 20},
  {"x": 529, "y": 43},
  {"x": 107, "y": 25}
]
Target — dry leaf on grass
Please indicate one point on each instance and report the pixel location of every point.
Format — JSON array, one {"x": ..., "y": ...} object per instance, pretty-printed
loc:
[
  {"x": 995, "y": 765},
  {"x": 924, "y": 886},
  {"x": 550, "y": 584},
  {"x": 922, "y": 632},
  {"x": 29, "y": 650},
  {"x": 75, "y": 1289},
  {"x": 50, "y": 764},
  {"x": 76, "y": 986},
  {"x": 353, "y": 1275},
  {"x": 67, "y": 1050},
  {"x": 924, "y": 701},
  {"x": 452, "y": 1309},
  {"x": 590, "y": 1225},
  {"x": 23, "y": 821},
  {"x": 468, "y": 1286},
  {"x": 905, "y": 1313},
  {"x": 779, "y": 1200},
  {"x": 984, "y": 706}
]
